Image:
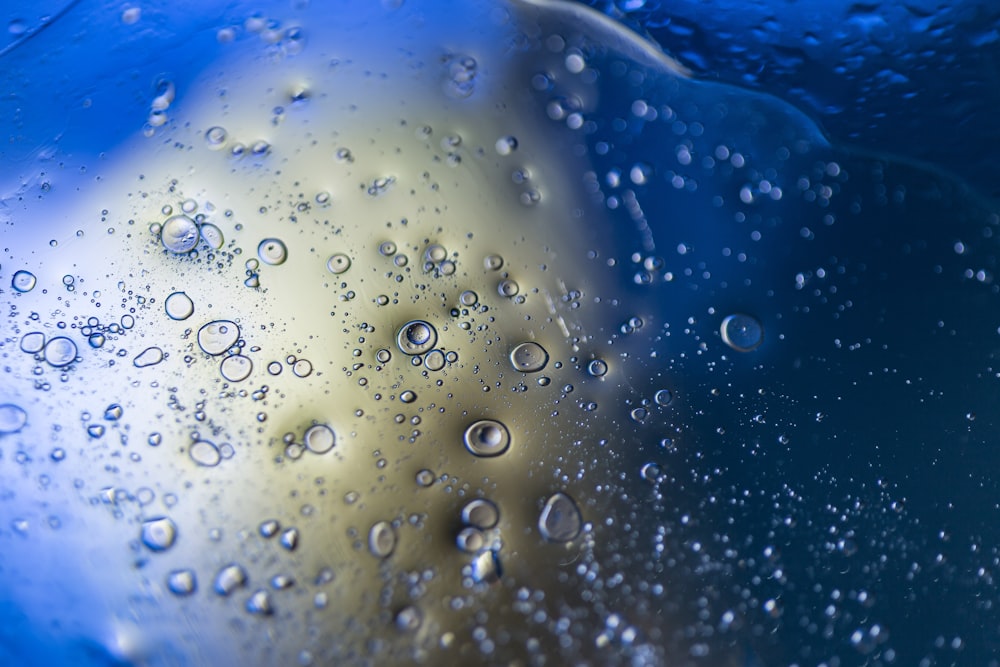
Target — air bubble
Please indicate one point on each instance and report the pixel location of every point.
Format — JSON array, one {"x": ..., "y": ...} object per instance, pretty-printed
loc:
[
  {"x": 597, "y": 368},
  {"x": 205, "y": 453},
  {"x": 493, "y": 262},
  {"x": 148, "y": 357},
  {"x": 272, "y": 251},
  {"x": 229, "y": 579},
  {"x": 424, "y": 478},
  {"x": 23, "y": 281},
  {"x": 743, "y": 333},
  {"x": 33, "y": 342},
  {"x": 218, "y": 336},
  {"x": 338, "y": 263},
  {"x": 259, "y": 603},
  {"x": 319, "y": 438},
  {"x": 529, "y": 357},
  {"x": 215, "y": 137},
  {"x": 182, "y": 582},
  {"x": 212, "y": 236},
  {"x": 487, "y": 438},
  {"x": 663, "y": 397},
  {"x": 434, "y": 360},
  {"x": 179, "y": 306},
  {"x": 159, "y": 534},
  {"x": 560, "y": 520},
  {"x": 60, "y": 351},
  {"x": 381, "y": 539},
  {"x": 508, "y": 288},
  {"x": 471, "y": 540},
  {"x": 408, "y": 396},
  {"x": 486, "y": 567},
  {"x": 236, "y": 368},
  {"x": 408, "y": 619},
  {"x": 416, "y": 337},
  {"x": 481, "y": 513},
  {"x": 12, "y": 418},
  {"x": 387, "y": 248},
  {"x": 179, "y": 234},
  {"x": 468, "y": 298},
  {"x": 302, "y": 368},
  {"x": 113, "y": 412}
]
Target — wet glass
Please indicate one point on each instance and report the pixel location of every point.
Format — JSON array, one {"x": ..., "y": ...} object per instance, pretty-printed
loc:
[{"x": 496, "y": 332}]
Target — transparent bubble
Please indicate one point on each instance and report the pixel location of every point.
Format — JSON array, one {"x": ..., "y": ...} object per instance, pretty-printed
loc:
[
  {"x": 216, "y": 337},
  {"x": 212, "y": 236},
  {"x": 529, "y": 357},
  {"x": 493, "y": 262},
  {"x": 12, "y": 418},
  {"x": 468, "y": 298},
  {"x": 302, "y": 368},
  {"x": 182, "y": 582},
  {"x": 470, "y": 540},
  {"x": 408, "y": 619},
  {"x": 425, "y": 477},
  {"x": 205, "y": 453},
  {"x": 272, "y": 251},
  {"x": 230, "y": 578},
  {"x": 338, "y": 263},
  {"x": 387, "y": 248},
  {"x": 33, "y": 342},
  {"x": 506, "y": 145},
  {"x": 382, "y": 539},
  {"x": 23, "y": 281},
  {"x": 319, "y": 438},
  {"x": 743, "y": 333},
  {"x": 597, "y": 367},
  {"x": 113, "y": 412},
  {"x": 416, "y": 337},
  {"x": 481, "y": 513},
  {"x": 408, "y": 396},
  {"x": 508, "y": 288},
  {"x": 215, "y": 137},
  {"x": 178, "y": 306},
  {"x": 560, "y": 520},
  {"x": 60, "y": 351},
  {"x": 159, "y": 534},
  {"x": 179, "y": 234},
  {"x": 236, "y": 368},
  {"x": 486, "y": 438},
  {"x": 663, "y": 397},
  {"x": 434, "y": 360},
  {"x": 259, "y": 603},
  {"x": 148, "y": 357}
]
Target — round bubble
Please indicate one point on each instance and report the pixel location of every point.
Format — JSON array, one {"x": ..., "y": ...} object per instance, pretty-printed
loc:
[
  {"x": 382, "y": 539},
  {"x": 215, "y": 137},
  {"x": 218, "y": 336},
  {"x": 320, "y": 438},
  {"x": 148, "y": 357},
  {"x": 416, "y": 337},
  {"x": 560, "y": 520},
  {"x": 205, "y": 453},
  {"x": 487, "y": 437},
  {"x": 236, "y": 368},
  {"x": 338, "y": 263},
  {"x": 272, "y": 251},
  {"x": 529, "y": 357},
  {"x": 159, "y": 534},
  {"x": 60, "y": 351},
  {"x": 741, "y": 332},
  {"x": 597, "y": 368},
  {"x": 178, "y": 306},
  {"x": 23, "y": 281},
  {"x": 179, "y": 234},
  {"x": 12, "y": 418},
  {"x": 480, "y": 513},
  {"x": 182, "y": 582},
  {"x": 33, "y": 342}
]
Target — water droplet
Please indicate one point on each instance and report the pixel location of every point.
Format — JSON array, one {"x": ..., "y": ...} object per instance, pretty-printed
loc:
[
  {"x": 290, "y": 538},
  {"x": 95, "y": 430},
  {"x": 236, "y": 368},
  {"x": 506, "y": 145},
  {"x": 229, "y": 579},
  {"x": 408, "y": 396},
  {"x": 205, "y": 453},
  {"x": 408, "y": 619},
  {"x": 260, "y": 603},
  {"x": 416, "y": 337},
  {"x": 338, "y": 263},
  {"x": 113, "y": 412},
  {"x": 148, "y": 357},
  {"x": 424, "y": 478},
  {"x": 178, "y": 306},
  {"x": 597, "y": 368},
  {"x": 272, "y": 251},
  {"x": 269, "y": 528},
  {"x": 159, "y": 534},
  {"x": 33, "y": 342},
  {"x": 212, "y": 236},
  {"x": 743, "y": 333},
  {"x": 471, "y": 540},
  {"x": 216, "y": 337},
  {"x": 215, "y": 137},
  {"x": 663, "y": 397},
  {"x": 23, "y": 281},
  {"x": 182, "y": 582},
  {"x": 481, "y": 513},
  {"x": 639, "y": 415},
  {"x": 434, "y": 360},
  {"x": 96, "y": 340},
  {"x": 60, "y": 351},
  {"x": 381, "y": 539},
  {"x": 487, "y": 438},
  {"x": 529, "y": 357},
  {"x": 560, "y": 520},
  {"x": 319, "y": 438},
  {"x": 12, "y": 418},
  {"x": 179, "y": 234}
]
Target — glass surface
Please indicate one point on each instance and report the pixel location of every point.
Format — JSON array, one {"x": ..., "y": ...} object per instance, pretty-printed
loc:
[{"x": 507, "y": 333}]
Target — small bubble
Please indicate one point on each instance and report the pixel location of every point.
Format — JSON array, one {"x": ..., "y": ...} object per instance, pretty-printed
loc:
[
  {"x": 218, "y": 336},
  {"x": 481, "y": 513},
  {"x": 154, "y": 439},
  {"x": 416, "y": 337},
  {"x": 33, "y": 342},
  {"x": 493, "y": 262},
  {"x": 113, "y": 412},
  {"x": 212, "y": 236},
  {"x": 272, "y": 251},
  {"x": 23, "y": 281},
  {"x": 230, "y": 578},
  {"x": 178, "y": 306},
  {"x": 560, "y": 520},
  {"x": 290, "y": 539},
  {"x": 383, "y": 356},
  {"x": 215, "y": 137},
  {"x": 236, "y": 368},
  {"x": 597, "y": 368},
  {"x": 663, "y": 397},
  {"x": 529, "y": 357},
  {"x": 302, "y": 368},
  {"x": 148, "y": 357},
  {"x": 387, "y": 248},
  {"x": 12, "y": 418},
  {"x": 425, "y": 478},
  {"x": 471, "y": 540},
  {"x": 381, "y": 539},
  {"x": 205, "y": 453},
  {"x": 468, "y": 298},
  {"x": 95, "y": 430},
  {"x": 639, "y": 415},
  {"x": 743, "y": 333},
  {"x": 179, "y": 234},
  {"x": 259, "y": 603},
  {"x": 408, "y": 619},
  {"x": 407, "y": 396},
  {"x": 434, "y": 360},
  {"x": 182, "y": 582},
  {"x": 319, "y": 438},
  {"x": 487, "y": 438},
  {"x": 159, "y": 534},
  {"x": 486, "y": 567},
  {"x": 508, "y": 288},
  {"x": 60, "y": 351},
  {"x": 338, "y": 263},
  {"x": 274, "y": 368}
]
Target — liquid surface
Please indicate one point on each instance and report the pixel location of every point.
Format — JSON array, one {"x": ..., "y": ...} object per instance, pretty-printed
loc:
[{"x": 475, "y": 333}]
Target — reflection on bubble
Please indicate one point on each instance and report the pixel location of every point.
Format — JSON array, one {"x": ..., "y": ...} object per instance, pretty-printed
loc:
[
  {"x": 743, "y": 333},
  {"x": 487, "y": 438}
]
